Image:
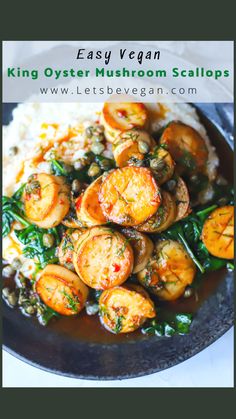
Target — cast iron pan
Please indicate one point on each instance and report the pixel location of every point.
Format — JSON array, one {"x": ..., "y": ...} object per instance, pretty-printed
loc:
[{"x": 61, "y": 353}]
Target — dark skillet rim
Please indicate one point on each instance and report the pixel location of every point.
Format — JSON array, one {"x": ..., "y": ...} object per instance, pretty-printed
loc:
[
  {"x": 149, "y": 371},
  {"x": 225, "y": 325}
]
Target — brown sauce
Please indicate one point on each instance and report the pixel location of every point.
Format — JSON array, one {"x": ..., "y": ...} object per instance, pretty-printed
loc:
[{"x": 88, "y": 328}]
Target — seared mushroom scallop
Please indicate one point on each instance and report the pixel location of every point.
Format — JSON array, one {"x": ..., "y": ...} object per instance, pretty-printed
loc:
[
  {"x": 162, "y": 165},
  {"x": 129, "y": 196},
  {"x": 168, "y": 271},
  {"x": 62, "y": 290},
  {"x": 164, "y": 217},
  {"x": 103, "y": 258},
  {"x": 124, "y": 309},
  {"x": 186, "y": 146},
  {"x": 218, "y": 232},
  {"x": 142, "y": 247},
  {"x": 118, "y": 117},
  {"x": 179, "y": 191},
  {"x": 87, "y": 205},
  {"x": 131, "y": 147},
  {"x": 46, "y": 199}
]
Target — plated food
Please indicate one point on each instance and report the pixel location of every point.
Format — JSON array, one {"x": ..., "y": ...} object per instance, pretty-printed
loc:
[{"x": 115, "y": 212}]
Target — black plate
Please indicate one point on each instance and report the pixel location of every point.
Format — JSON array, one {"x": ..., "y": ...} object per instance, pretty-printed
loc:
[{"x": 51, "y": 350}]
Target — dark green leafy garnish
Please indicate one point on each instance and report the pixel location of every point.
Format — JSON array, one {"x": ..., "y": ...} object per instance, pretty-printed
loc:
[
  {"x": 32, "y": 238},
  {"x": 104, "y": 162},
  {"x": 95, "y": 294},
  {"x": 72, "y": 302},
  {"x": 59, "y": 168},
  {"x": 178, "y": 325},
  {"x": 118, "y": 324},
  {"x": 188, "y": 232},
  {"x": 12, "y": 210},
  {"x": 47, "y": 314},
  {"x": 30, "y": 303}
]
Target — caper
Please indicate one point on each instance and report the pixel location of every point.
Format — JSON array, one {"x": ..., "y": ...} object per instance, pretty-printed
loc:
[
  {"x": 48, "y": 240},
  {"x": 194, "y": 178},
  {"x": 22, "y": 299},
  {"x": 30, "y": 310},
  {"x": 105, "y": 164},
  {"x": 5, "y": 292},
  {"x": 8, "y": 271},
  {"x": 16, "y": 264},
  {"x": 87, "y": 159},
  {"x": 31, "y": 177},
  {"x": 89, "y": 131},
  {"x": 222, "y": 201},
  {"x": 33, "y": 187},
  {"x": 20, "y": 280},
  {"x": 78, "y": 165},
  {"x": 99, "y": 129},
  {"x": 68, "y": 168},
  {"x": 33, "y": 299},
  {"x": 94, "y": 170},
  {"x": 97, "y": 138},
  {"x": 220, "y": 180},
  {"x": 91, "y": 308},
  {"x": 76, "y": 186},
  {"x": 143, "y": 147},
  {"x": 40, "y": 310},
  {"x": 13, "y": 151},
  {"x": 188, "y": 292},
  {"x": 157, "y": 164},
  {"x": 69, "y": 266},
  {"x": 171, "y": 184},
  {"x": 97, "y": 148},
  {"x": 12, "y": 299}
]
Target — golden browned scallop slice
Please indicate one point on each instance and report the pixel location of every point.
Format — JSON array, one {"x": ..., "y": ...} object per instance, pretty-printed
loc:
[
  {"x": 131, "y": 146},
  {"x": 129, "y": 196},
  {"x": 218, "y": 232},
  {"x": 162, "y": 165},
  {"x": 181, "y": 196},
  {"x": 164, "y": 217},
  {"x": 66, "y": 248},
  {"x": 88, "y": 207},
  {"x": 124, "y": 309},
  {"x": 168, "y": 271},
  {"x": 103, "y": 258},
  {"x": 40, "y": 195},
  {"x": 118, "y": 117},
  {"x": 62, "y": 290},
  {"x": 186, "y": 146},
  {"x": 46, "y": 199},
  {"x": 142, "y": 247}
]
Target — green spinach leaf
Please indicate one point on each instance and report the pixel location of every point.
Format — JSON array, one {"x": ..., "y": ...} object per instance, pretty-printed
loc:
[
  {"x": 178, "y": 325},
  {"x": 32, "y": 238},
  {"x": 12, "y": 210}
]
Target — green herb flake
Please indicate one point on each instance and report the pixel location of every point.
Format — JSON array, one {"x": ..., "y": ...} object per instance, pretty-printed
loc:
[{"x": 72, "y": 303}]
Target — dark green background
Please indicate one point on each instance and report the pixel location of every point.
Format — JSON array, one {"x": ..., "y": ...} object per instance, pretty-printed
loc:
[{"x": 117, "y": 19}]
